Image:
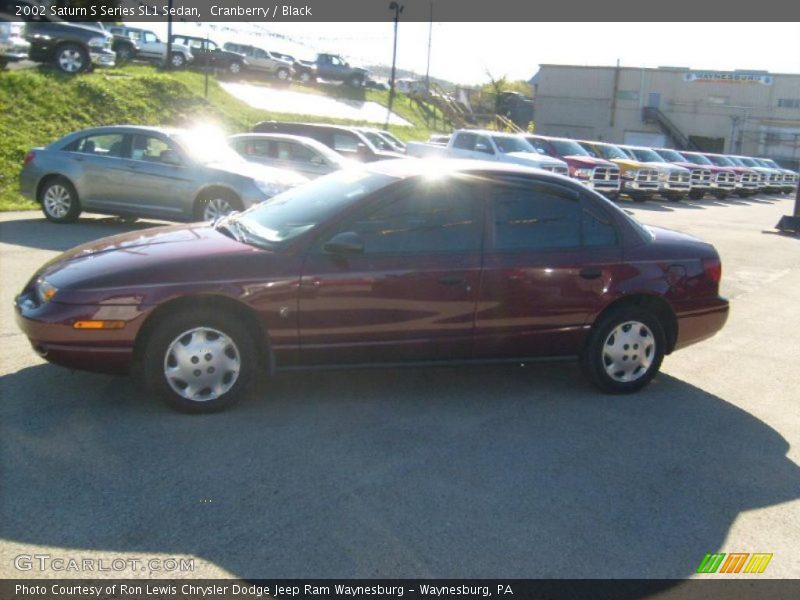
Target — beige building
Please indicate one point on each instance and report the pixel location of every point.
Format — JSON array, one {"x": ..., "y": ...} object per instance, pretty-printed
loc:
[{"x": 740, "y": 112}]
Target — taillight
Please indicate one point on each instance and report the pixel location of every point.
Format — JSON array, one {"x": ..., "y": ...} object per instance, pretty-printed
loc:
[
  {"x": 713, "y": 269},
  {"x": 29, "y": 157}
]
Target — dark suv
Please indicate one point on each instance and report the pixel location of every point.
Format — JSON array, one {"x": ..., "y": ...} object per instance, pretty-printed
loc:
[
  {"x": 70, "y": 47},
  {"x": 347, "y": 141},
  {"x": 209, "y": 54}
]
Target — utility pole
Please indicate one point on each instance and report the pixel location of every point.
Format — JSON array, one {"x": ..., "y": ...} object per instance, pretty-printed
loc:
[
  {"x": 430, "y": 37},
  {"x": 169, "y": 36},
  {"x": 397, "y": 8}
]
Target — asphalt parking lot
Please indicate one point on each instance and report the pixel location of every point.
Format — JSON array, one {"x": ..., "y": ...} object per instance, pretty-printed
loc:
[{"x": 495, "y": 471}]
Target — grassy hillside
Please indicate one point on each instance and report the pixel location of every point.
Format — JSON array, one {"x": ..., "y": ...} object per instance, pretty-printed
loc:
[{"x": 38, "y": 106}]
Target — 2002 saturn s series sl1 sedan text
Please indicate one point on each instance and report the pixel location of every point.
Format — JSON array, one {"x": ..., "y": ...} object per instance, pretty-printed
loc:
[{"x": 394, "y": 262}]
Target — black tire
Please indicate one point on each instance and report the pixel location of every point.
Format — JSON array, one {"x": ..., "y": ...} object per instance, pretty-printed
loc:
[
  {"x": 595, "y": 356},
  {"x": 124, "y": 54},
  {"x": 675, "y": 197},
  {"x": 697, "y": 195},
  {"x": 720, "y": 196},
  {"x": 71, "y": 59},
  {"x": 59, "y": 200},
  {"x": 356, "y": 81},
  {"x": 209, "y": 199},
  {"x": 306, "y": 77},
  {"x": 177, "y": 60},
  {"x": 225, "y": 341},
  {"x": 639, "y": 197}
]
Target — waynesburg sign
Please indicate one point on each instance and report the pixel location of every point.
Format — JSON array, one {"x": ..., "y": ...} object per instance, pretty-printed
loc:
[{"x": 727, "y": 77}]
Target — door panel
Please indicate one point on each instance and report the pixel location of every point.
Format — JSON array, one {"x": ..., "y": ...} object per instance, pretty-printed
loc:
[
  {"x": 548, "y": 265},
  {"x": 410, "y": 295}
]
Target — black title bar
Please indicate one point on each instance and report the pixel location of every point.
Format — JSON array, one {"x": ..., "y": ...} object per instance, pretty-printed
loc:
[{"x": 413, "y": 10}]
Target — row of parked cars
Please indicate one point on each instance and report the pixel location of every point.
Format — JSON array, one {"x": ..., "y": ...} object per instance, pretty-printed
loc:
[
  {"x": 76, "y": 47},
  {"x": 638, "y": 172},
  {"x": 189, "y": 175}
]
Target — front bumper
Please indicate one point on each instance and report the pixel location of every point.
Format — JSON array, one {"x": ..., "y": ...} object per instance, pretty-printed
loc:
[
  {"x": 49, "y": 328},
  {"x": 602, "y": 185},
  {"x": 682, "y": 187},
  {"x": 641, "y": 186},
  {"x": 103, "y": 58}
]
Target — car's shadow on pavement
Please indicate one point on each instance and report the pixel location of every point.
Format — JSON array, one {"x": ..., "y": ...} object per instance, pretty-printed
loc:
[
  {"x": 39, "y": 233},
  {"x": 496, "y": 471}
]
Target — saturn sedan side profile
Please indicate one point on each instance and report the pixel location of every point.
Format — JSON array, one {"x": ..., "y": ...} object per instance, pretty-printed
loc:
[
  {"x": 161, "y": 173},
  {"x": 396, "y": 262}
]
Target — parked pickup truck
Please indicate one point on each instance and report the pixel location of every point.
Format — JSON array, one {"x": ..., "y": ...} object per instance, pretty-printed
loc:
[
  {"x": 330, "y": 67},
  {"x": 640, "y": 181},
  {"x": 488, "y": 145},
  {"x": 71, "y": 48},
  {"x": 595, "y": 173},
  {"x": 675, "y": 182}
]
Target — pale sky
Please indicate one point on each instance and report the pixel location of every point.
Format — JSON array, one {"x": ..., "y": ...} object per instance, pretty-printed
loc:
[{"x": 462, "y": 52}]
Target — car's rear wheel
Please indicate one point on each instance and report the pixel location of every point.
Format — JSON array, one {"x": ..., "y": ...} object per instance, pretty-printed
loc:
[
  {"x": 213, "y": 205},
  {"x": 624, "y": 350},
  {"x": 235, "y": 68},
  {"x": 306, "y": 77},
  {"x": 199, "y": 361},
  {"x": 356, "y": 81},
  {"x": 60, "y": 203},
  {"x": 71, "y": 58},
  {"x": 282, "y": 74},
  {"x": 124, "y": 54}
]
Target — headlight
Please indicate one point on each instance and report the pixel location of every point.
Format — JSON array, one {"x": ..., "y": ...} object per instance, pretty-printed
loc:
[
  {"x": 269, "y": 188},
  {"x": 96, "y": 42},
  {"x": 45, "y": 291},
  {"x": 583, "y": 173}
]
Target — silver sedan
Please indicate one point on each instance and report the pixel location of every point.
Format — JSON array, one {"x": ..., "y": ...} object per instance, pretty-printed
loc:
[
  {"x": 131, "y": 171},
  {"x": 302, "y": 154}
]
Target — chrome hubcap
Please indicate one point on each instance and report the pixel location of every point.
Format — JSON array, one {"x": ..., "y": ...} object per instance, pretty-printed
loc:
[
  {"x": 283, "y": 75},
  {"x": 216, "y": 208},
  {"x": 70, "y": 60},
  {"x": 202, "y": 364},
  {"x": 177, "y": 60},
  {"x": 235, "y": 68},
  {"x": 57, "y": 201},
  {"x": 629, "y": 351}
]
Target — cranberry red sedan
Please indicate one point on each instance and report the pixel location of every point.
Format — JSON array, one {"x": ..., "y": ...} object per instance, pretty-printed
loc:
[{"x": 409, "y": 262}]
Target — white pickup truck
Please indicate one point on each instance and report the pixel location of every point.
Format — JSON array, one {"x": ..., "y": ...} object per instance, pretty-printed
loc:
[{"x": 488, "y": 145}]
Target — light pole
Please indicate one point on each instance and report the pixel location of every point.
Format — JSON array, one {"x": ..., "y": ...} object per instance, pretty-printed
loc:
[
  {"x": 169, "y": 35},
  {"x": 430, "y": 37},
  {"x": 397, "y": 8}
]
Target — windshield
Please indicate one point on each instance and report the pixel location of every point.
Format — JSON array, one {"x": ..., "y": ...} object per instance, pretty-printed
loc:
[
  {"x": 736, "y": 161},
  {"x": 720, "y": 161},
  {"x": 646, "y": 155},
  {"x": 769, "y": 163},
  {"x": 670, "y": 155},
  {"x": 569, "y": 148},
  {"x": 508, "y": 143},
  {"x": 207, "y": 147},
  {"x": 392, "y": 139},
  {"x": 610, "y": 152},
  {"x": 294, "y": 212},
  {"x": 697, "y": 159}
]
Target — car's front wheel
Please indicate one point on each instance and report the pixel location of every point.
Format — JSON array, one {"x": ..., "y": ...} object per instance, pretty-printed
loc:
[
  {"x": 283, "y": 74},
  {"x": 60, "y": 203},
  {"x": 235, "y": 68},
  {"x": 306, "y": 77},
  {"x": 199, "y": 361},
  {"x": 177, "y": 60},
  {"x": 624, "y": 350}
]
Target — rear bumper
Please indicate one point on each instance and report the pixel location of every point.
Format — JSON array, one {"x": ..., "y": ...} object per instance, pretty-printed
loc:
[{"x": 698, "y": 324}]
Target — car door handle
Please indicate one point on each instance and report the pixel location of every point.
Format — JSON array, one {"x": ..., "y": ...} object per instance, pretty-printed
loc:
[
  {"x": 452, "y": 280},
  {"x": 591, "y": 273}
]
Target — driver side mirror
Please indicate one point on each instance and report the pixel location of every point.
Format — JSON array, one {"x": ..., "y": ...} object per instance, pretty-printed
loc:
[{"x": 346, "y": 242}]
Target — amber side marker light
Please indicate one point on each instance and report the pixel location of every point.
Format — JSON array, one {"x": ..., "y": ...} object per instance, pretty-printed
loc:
[{"x": 98, "y": 324}]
